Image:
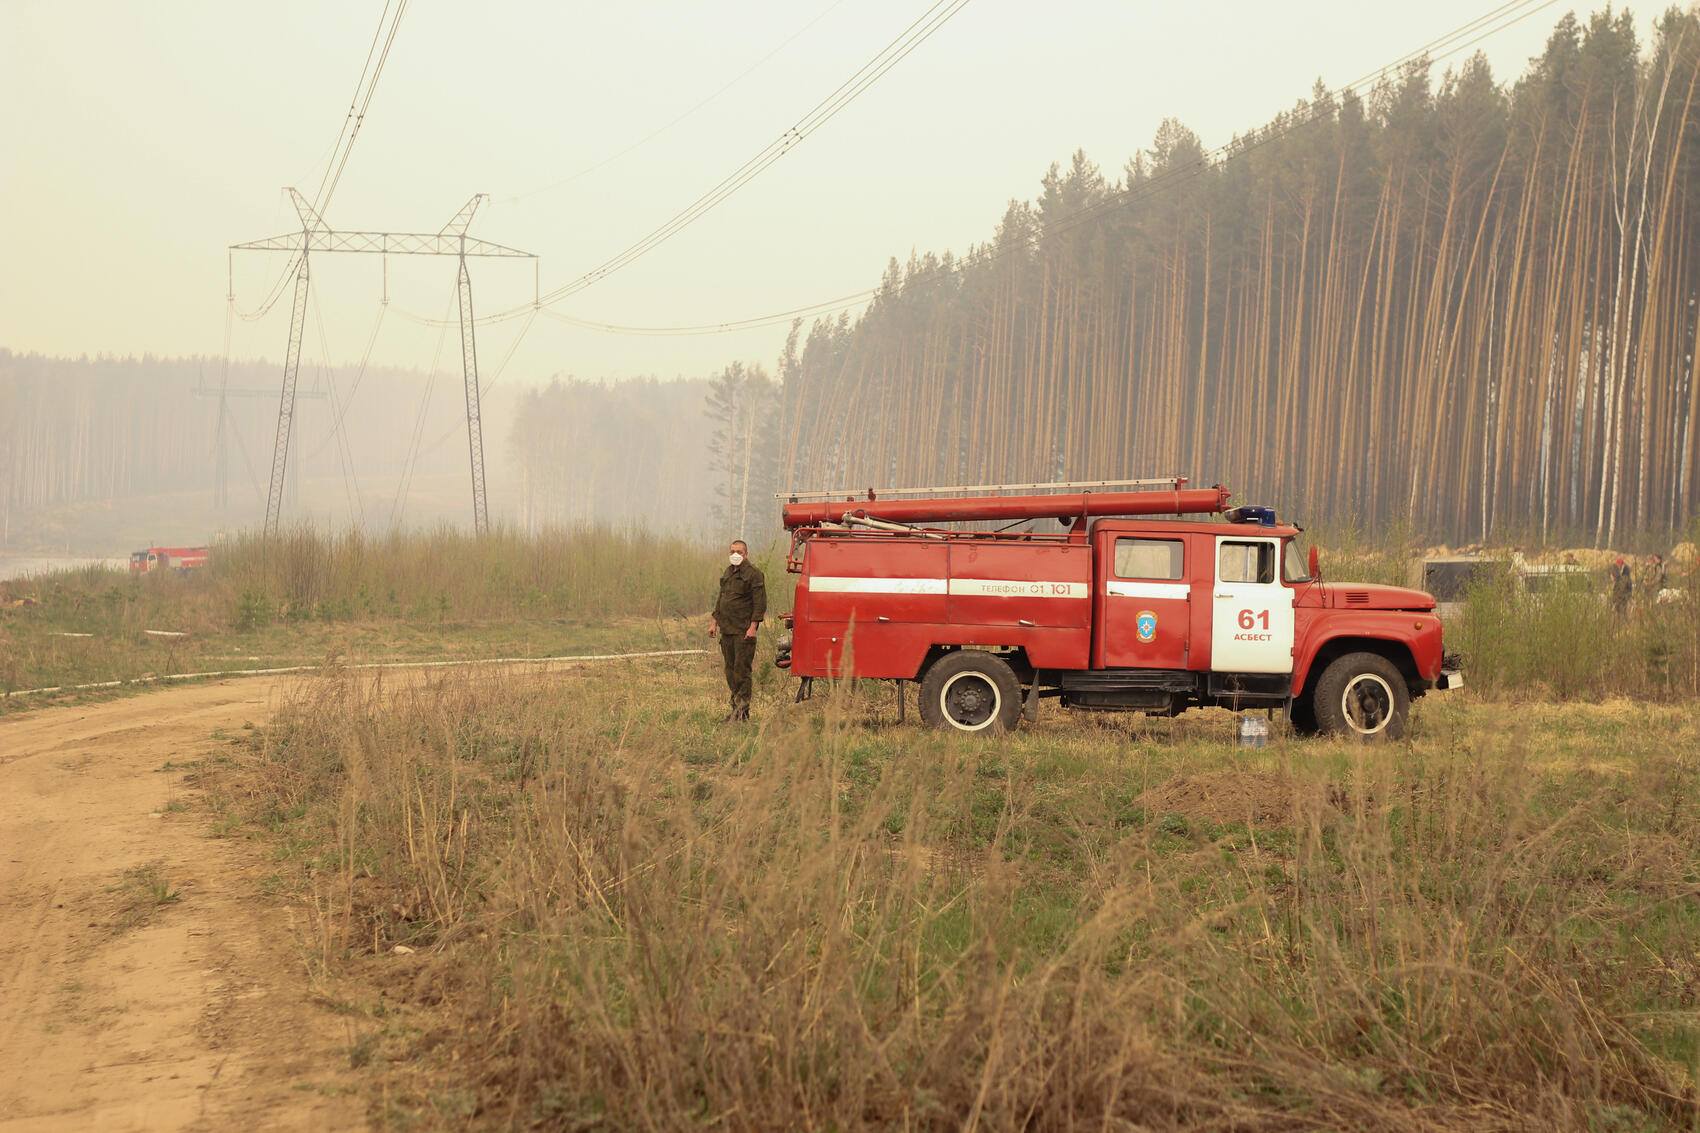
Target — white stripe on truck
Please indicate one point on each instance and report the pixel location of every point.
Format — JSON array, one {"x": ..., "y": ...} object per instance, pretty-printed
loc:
[
  {"x": 961, "y": 587},
  {"x": 826, "y": 584}
]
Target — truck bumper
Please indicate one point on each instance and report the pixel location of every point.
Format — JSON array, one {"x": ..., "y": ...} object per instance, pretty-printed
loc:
[{"x": 1449, "y": 680}]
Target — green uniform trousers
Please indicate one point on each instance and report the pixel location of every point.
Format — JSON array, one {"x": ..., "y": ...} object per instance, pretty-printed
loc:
[{"x": 739, "y": 653}]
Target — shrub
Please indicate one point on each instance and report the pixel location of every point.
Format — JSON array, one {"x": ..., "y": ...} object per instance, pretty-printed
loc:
[{"x": 254, "y": 610}]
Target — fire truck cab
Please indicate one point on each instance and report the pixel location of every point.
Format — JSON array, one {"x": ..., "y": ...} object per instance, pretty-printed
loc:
[{"x": 1120, "y": 611}]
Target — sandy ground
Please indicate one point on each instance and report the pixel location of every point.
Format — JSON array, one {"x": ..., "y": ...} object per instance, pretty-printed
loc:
[{"x": 194, "y": 1014}]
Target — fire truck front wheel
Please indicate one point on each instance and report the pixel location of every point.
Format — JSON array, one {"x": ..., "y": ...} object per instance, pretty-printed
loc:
[
  {"x": 1362, "y": 696},
  {"x": 971, "y": 691}
]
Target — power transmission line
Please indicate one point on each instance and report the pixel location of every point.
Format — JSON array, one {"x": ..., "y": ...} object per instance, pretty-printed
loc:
[
  {"x": 823, "y": 112},
  {"x": 358, "y": 105},
  {"x": 404, "y": 483},
  {"x": 364, "y": 88},
  {"x": 486, "y": 387},
  {"x": 359, "y": 375},
  {"x": 1464, "y": 36},
  {"x": 345, "y": 457},
  {"x": 819, "y": 115},
  {"x": 297, "y": 265},
  {"x": 416, "y": 449},
  {"x": 650, "y": 137},
  {"x": 451, "y": 240},
  {"x": 777, "y": 318}
]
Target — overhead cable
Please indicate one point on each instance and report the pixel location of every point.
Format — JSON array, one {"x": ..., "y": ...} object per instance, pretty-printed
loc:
[
  {"x": 405, "y": 484},
  {"x": 650, "y": 137},
  {"x": 823, "y": 112},
  {"x": 912, "y": 37},
  {"x": 364, "y": 88},
  {"x": 350, "y": 481},
  {"x": 1458, "y": 39},
  {"x": 358, "y": 117}
]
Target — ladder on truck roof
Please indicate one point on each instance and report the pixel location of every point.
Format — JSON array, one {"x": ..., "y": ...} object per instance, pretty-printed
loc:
[
  {"x": 957, "y": 490},
  {"x": 1077, "y": 505}
]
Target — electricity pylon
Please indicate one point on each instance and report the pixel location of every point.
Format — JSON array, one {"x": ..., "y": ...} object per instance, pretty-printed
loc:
[
  {"x": 317, "y": 236},
  {"x": 227, "y": 429}
]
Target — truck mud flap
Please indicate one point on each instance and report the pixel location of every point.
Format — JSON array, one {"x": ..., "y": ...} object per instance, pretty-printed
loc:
[{"x": 1030, "y": 702}]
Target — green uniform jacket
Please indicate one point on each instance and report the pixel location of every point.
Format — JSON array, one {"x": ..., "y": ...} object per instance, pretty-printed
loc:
[{"x": 742, "y": 600}]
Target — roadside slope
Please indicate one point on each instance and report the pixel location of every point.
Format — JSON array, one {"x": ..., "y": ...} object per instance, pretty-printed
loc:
[{"x": 143, "y": 983}]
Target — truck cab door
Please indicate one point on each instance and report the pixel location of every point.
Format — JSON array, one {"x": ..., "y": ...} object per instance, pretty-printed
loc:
[
  {"x": 1144, "y": 603},
  {"x": 1251, "y": 610}
]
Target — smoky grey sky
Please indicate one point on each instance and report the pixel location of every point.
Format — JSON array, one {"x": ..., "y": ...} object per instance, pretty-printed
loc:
[{"x": 140, "y": 140}]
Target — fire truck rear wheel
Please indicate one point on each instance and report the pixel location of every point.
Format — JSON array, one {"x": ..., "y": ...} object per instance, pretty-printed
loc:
[
  {"x": 1362, "y": 696},
  {"x": 971, "y": 691}
]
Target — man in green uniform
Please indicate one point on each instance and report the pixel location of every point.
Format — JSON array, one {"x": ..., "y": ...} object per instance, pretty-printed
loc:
[{"x": 738, "y": 611}]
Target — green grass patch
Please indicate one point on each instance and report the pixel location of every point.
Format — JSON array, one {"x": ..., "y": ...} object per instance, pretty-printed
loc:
[{"x": 141, "y": 893}]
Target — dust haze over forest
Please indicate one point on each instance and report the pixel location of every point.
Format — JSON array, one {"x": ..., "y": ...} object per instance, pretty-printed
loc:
[
  {"x": 1464, "y": 306},
  {"x": 105, "y": 455}
]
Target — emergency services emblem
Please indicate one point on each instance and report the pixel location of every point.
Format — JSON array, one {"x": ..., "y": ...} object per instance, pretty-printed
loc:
[{"x": 1146, "y": 625}]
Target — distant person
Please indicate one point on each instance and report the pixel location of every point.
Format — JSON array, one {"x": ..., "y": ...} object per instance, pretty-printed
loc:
[
  {"x": 1655, "y": 577},
  {"x": 1622, "y": 585},
  {"x": 738, "y": 611}
]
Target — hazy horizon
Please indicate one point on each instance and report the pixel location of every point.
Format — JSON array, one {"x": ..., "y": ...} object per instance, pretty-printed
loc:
[{"x": 170, "y": 132}]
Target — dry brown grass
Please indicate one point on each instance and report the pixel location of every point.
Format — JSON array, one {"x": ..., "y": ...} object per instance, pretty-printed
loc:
[
  {"x": 626, "y": 916},
  {"x": 311, "y": 595}
]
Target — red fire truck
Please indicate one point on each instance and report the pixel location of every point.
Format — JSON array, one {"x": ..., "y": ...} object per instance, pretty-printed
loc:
[
  {"x": 1118, "y": 611},
  {"x": 181, "y": 559}
]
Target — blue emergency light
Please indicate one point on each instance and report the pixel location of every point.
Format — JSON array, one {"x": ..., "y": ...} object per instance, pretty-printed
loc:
[{"x": 1260, "y": 514}]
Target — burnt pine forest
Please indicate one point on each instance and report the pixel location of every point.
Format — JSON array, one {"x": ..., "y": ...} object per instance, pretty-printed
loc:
[
  {"x": 1468, "y": 309},
  {"x": 1454, "y": 307}
]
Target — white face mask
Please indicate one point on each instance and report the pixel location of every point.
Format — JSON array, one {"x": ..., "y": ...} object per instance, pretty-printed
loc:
[{"x": 735, "y": 558}]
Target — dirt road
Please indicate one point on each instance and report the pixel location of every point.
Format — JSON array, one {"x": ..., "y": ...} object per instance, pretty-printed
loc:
[{"x": 144, "y": 983}]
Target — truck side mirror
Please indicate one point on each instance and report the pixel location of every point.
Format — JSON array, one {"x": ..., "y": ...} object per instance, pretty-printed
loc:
[{"x": 1315, "y": 564}]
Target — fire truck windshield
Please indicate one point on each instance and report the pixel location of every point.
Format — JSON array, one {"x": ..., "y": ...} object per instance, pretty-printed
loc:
[{"x": 1293, "y": 565}]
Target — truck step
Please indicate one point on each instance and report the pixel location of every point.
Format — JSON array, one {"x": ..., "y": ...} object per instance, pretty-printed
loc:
[{"x": 1111, "y": 680}]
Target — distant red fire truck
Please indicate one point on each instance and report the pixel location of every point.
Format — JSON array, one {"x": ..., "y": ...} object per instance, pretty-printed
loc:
[
  {"x": 1118, "y": 611},
  {"x": 181, "y": 559}
]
